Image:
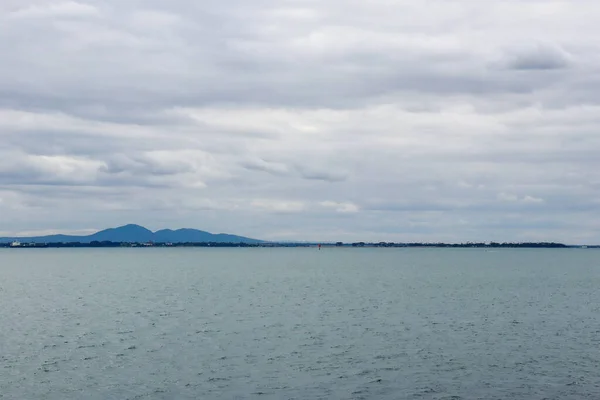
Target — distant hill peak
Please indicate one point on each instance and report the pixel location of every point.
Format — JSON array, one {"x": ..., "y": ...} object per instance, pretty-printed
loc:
[
  {"x": 134, "y": 233},
  {"x": 132, "y": 227}
]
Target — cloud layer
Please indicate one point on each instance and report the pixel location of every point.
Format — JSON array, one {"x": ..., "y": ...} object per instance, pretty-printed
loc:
[{"x": 320, "y": 120}]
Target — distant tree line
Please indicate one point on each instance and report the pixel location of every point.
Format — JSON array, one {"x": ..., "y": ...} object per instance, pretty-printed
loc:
[
  {"x": 108, "y": 244},
  {"x": 467, "y": 244},
  {"x": 128, "y": 244}
]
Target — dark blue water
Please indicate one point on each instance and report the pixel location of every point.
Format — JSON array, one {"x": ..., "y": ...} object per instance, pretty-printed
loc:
[{"x": 299, "y": 324}]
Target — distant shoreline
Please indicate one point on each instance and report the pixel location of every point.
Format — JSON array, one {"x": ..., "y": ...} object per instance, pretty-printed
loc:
[{"x": 107, "y": 244}]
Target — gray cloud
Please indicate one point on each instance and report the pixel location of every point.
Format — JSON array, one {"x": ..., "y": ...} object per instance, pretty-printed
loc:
[
  {"x": 539, "y": 58},
  {"x": 333, "y": 120},
  {"x": 322, "y": 175}
]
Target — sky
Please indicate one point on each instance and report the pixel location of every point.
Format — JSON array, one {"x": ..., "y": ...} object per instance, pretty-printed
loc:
[{"x": 303, "y": 119}]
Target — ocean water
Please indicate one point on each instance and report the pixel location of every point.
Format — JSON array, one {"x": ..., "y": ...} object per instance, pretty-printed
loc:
[{"x": 299, "y": 324}]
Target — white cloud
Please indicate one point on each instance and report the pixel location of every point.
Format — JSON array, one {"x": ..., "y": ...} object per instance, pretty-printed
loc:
[
  {"x": 512, "y": 198},
  {"x": 45, "y": 232},
  {"x": 342, "y": 207},
  {"x": 279, "y": 206},
  {"x": 54, "y": 9},
  {"x": 531, "y": 199},
  {"x": 508, "y": 197}
]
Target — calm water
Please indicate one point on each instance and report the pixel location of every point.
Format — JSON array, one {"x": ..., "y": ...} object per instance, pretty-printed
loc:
[{"x": 299, "y": 323}]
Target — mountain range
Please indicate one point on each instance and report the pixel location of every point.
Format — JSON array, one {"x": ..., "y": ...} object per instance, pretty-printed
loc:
[{"x": 138, "y": 234}]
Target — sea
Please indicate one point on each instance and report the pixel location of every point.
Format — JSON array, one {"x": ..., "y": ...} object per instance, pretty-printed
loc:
[{"x": 299, "y": 323}]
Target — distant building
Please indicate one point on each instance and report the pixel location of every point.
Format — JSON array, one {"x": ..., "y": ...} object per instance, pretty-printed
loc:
[{"x": 16, "y": 243}]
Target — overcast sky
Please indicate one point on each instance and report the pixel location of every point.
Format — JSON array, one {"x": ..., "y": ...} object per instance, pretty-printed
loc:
[{"x": 303, "y": 119}]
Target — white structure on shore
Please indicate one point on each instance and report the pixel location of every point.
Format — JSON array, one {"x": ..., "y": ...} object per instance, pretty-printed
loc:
[{"x": 16, "y": 243}]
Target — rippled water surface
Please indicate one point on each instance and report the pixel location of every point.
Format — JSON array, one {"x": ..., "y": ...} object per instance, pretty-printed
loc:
[{"x": 299, "y": 323}]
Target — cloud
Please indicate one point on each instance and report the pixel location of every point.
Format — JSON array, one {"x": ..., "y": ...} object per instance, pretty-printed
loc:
[
  {"x": 265, "y": 166},
  {"x": 279, "y": 206},
  {"x": 78, "y": 232},
  {"x": 296, "y": 169},
  {"x": 531, "y": 199},
  {"x": 313, "y": 120},
  {"x": 512, "y": 198},
  {"x": 68, "y": 9},
  {"x": 309, "y": 172},
  {"x": 342, "y": 207},
  {"x": 539, "y": 58}
]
